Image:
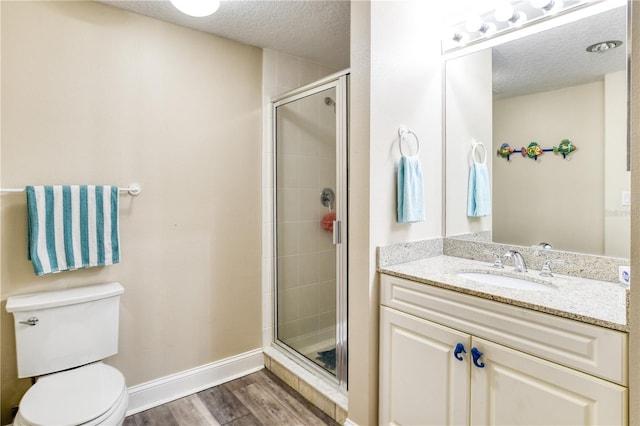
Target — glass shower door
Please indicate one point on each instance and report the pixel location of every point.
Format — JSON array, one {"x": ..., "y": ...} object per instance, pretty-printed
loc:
[{"x": 310, "y": 226}]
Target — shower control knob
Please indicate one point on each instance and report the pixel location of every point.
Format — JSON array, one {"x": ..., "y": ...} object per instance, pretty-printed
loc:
[{"x": 31, "y": 321}]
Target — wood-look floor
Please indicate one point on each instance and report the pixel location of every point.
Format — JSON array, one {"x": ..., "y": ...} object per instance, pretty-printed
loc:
[{"x": 257, "y": 399}]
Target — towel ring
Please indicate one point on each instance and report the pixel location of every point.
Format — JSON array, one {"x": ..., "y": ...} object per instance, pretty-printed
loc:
[
  {"x": 402, "y": 133},
  {"x": 477, "y": 144}
]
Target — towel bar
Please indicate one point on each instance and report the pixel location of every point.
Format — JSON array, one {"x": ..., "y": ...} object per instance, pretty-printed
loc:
[
  {"x": 402, "y": 132},
  {"x": 133, "y": 189}
]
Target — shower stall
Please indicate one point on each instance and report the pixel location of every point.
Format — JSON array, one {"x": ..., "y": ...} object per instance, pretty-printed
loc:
[{"x": 310, "y": 225}]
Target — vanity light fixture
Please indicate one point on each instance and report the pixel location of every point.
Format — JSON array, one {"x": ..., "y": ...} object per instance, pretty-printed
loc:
[
  {"x": 506, "y": 13},
  {"x": 504, "y": 16},
  {"x": 196, "y": 8},
  {"x": 603, "y": 46}
]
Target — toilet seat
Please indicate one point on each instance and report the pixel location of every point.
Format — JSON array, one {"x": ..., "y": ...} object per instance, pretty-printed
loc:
[{"x": 90, "y": 395}]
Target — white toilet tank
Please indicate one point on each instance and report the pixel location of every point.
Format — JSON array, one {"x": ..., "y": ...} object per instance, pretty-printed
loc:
[{"x": 71, "y": 328}]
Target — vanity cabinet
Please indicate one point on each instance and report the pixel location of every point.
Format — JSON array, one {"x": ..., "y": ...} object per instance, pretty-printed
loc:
[{"x": 428, "y": 375}]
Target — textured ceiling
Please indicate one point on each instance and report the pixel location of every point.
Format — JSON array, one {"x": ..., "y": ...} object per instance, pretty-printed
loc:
[
  {"x": 557, "y": 57},
  {"x": 316, "y": 30}
]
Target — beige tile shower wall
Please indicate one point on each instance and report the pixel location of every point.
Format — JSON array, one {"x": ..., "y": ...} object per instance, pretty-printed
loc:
[
  {"x": 282, "y": 73},
  {"x": 532, "y": 198},
  {"x": 93, "y": 94}
]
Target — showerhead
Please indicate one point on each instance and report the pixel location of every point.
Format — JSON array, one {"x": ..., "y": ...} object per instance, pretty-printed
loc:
[{"x": 330, "y": 102}]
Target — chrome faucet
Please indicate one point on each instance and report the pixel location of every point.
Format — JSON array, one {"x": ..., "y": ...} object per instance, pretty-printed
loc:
[{"x": 519, "y": 264}]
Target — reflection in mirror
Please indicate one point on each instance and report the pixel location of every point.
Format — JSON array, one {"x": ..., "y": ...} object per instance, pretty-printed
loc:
[{"x": 545, "y": 87}]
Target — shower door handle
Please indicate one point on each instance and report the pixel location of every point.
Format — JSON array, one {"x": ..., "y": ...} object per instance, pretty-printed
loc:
[{"x": 337, "y": 232}]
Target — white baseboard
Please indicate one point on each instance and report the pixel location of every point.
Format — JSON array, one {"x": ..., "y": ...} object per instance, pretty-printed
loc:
[
  {"x": 169, "y": 388},
  {"x": 349, "y": 422}
]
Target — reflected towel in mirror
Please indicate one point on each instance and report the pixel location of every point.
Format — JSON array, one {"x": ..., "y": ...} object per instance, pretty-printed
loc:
[{"x": 479, "y": 193}]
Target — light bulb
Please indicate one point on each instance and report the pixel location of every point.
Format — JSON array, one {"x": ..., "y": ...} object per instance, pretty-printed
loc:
[
  {"x": 460, "y": 38},
  {"x": 475, "y": 23},
  {"x": 542, "y": 4},
  {"x": 196, "y": 8},
  {"x": 506, "y": 13},
  {"x": 548, "y": 6}
]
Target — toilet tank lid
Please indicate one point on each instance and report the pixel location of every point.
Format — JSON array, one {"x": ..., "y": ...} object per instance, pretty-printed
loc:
[{"x": 70, "y": 296}]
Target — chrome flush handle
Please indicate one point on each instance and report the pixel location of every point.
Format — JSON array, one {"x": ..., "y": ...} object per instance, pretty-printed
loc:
[{"x": 31, "y": 321}]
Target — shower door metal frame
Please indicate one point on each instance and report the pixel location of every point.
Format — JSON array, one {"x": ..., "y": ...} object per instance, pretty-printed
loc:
[{"x": 340, "y": 82}]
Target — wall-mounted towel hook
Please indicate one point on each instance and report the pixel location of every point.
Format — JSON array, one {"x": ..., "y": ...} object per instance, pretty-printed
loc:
[
  {"x": 482, "y": 156},
  {"x": 402, "y": 132}
]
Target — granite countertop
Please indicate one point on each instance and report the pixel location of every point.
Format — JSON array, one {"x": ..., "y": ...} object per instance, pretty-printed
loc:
[{"x": 595, "y": 302}]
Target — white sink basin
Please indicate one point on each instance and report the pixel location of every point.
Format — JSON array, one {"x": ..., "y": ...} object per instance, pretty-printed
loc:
[{"x": 505, "y": 281}]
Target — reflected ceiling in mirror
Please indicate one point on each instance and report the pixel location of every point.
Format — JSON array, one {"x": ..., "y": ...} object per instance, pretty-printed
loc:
[
  {"x": 544, "y": 87},
  {"x": 558, "y": 57}
]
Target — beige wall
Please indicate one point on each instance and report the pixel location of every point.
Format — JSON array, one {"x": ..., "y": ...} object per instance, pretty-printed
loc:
[
  {"x": 362, "y": 293},
  {"x": 469, "y": 101},
  {"x": 93, "y": 94},
  {"x": 551, "y": 199},
  {"x": 396, "y": 76},
  {"x": 617, "y": 223}
]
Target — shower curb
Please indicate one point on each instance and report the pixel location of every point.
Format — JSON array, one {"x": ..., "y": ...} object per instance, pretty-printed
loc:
[{"x": 320, "y": 393}]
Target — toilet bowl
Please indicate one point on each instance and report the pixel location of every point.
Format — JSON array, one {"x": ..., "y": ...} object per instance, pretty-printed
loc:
[
  {"x": 91, "y": 395},
  {"x": 61, "y": 337}
]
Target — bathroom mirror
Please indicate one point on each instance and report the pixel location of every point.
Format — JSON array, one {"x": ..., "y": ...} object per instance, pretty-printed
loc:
[{"x": 544, "y": 88}]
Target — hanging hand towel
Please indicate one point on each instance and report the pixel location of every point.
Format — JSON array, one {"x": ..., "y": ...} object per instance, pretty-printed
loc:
[
  {"x": 479, "y": 191},
  {"x": 72, "y": 227},
  {"x": 410, "y": 191}
]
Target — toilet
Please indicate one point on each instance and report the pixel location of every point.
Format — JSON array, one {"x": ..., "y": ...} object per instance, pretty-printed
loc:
[{"x": 61, "y": 338}]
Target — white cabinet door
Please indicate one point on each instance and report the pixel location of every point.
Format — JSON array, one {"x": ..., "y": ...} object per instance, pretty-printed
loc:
[
  {"x": 421, "y": 382},
  {"x": 514, "y": 388}
]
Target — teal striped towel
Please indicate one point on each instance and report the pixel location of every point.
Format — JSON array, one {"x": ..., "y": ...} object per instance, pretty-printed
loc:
[{"x": 72, "y": 227}]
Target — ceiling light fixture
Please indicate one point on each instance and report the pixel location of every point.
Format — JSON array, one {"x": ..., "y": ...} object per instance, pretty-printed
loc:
[
  {"x": 196, "y": 8},
  {"x": 603, "y": 46}
]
